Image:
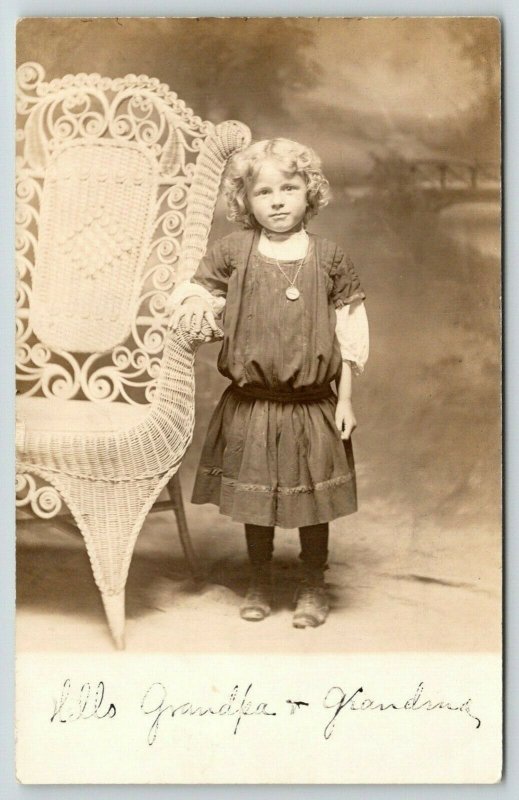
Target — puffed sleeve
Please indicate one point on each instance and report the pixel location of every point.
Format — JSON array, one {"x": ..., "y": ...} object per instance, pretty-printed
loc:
[
  {"x": 214, "y": 270},
  {"x": 209, "y": 281},
  {"x": 346, "y": 286},
  {"x": 352, "y": 332}
]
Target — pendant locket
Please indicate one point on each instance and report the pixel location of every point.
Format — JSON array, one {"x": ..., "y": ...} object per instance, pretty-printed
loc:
[{"x": 292, "y": 293}]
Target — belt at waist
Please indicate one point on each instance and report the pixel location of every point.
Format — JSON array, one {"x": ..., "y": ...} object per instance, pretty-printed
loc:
[{"x": 310, "y": 395}]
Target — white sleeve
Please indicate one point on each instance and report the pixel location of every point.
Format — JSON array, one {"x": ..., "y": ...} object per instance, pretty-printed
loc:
[
  {"x": 352, "y": 332},
  {"x": 186, "y": 289}
]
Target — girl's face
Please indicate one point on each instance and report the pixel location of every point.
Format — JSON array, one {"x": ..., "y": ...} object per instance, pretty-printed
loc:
[{"x": 277, "y": 199}]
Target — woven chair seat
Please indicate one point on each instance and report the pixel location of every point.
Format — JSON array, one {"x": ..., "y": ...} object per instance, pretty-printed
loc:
[
  {"x": 52, "y": 415},
  {"x": 145, "y": 441}
]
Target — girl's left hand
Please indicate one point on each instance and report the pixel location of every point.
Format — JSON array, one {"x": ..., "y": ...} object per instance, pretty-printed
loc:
[{"x": 345, "y": 418}]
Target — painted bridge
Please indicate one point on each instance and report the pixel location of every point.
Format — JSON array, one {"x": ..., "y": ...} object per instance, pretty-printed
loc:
[{"x": 441, "y": 182}]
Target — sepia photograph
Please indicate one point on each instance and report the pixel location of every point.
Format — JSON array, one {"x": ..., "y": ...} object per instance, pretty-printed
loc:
[{"x": 258, "y": 361}]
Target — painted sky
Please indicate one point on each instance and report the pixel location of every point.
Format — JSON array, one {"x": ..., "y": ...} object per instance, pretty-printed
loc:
[{"x": 349, "y": 87}]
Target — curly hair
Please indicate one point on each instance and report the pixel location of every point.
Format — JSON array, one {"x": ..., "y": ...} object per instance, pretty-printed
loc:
[{"x": 293, "y": 157}]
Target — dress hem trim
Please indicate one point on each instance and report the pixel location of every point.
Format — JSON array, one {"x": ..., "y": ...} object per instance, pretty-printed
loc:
[{"x": 216, "y": 472}]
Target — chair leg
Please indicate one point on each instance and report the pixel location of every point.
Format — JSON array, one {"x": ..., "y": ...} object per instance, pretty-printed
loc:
[
  {"x": 114, "y": 609},
  {"x": 175, "y": 493}
]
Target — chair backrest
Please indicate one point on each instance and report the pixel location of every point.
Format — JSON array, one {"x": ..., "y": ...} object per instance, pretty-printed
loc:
[{"x": 116, "y": 187}]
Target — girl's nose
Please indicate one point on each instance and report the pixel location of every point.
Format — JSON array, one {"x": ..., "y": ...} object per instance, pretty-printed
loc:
[{"x": 277, "y": 202}]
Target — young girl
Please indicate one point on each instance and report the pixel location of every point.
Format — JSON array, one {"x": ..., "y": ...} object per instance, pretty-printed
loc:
[{"x": 278, "y": 449}]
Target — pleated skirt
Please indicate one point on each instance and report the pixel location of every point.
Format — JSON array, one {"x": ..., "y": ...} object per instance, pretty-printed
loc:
[{"x": 276, "y": 463}]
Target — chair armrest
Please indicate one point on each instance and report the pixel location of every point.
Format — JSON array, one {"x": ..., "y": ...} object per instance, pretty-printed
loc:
[{"x": 191, "y": 339}]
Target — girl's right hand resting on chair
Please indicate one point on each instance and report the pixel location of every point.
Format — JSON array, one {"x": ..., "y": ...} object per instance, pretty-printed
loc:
[{"x": 193, "y": 311}]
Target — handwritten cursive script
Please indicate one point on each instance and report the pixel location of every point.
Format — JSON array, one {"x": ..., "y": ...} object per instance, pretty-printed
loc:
[
  {"x": 85, "y": 703},
  {"x": 341, "y": 701},
  {"x": 154, "y": 704}
]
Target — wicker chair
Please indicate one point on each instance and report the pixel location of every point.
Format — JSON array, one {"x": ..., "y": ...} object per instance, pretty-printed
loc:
[{"x": 116, "y": 187}]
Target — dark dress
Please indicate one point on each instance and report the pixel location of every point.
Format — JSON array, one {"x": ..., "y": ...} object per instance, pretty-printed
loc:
[{"x": 273, "y": 454}]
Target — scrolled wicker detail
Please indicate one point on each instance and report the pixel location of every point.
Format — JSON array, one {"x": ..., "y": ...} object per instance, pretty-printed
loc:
[
  {"x": 93, "y": 141},
  {"x": 44, "y": 500}
]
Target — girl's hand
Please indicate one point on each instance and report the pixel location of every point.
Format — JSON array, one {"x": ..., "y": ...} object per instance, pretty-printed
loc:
[
  {"x": 345, "y": 418},
  {"x": 193, "y": 311}
]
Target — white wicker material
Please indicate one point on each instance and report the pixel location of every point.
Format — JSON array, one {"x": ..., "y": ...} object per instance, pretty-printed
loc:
[
  {"x": 96, "y": 218},
  {"x": 116, "y": 187}
]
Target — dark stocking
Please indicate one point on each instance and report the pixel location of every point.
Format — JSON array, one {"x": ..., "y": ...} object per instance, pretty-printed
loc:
[
  {"x": 314, "y": 546},
  {"x": 260, "y": 544}
]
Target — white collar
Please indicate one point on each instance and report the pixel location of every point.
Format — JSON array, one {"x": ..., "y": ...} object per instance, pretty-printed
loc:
[{"x": 294, "y": 247}]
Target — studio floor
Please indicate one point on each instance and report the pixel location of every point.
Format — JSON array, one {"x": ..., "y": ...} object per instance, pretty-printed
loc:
[{"x": 391, "y": 589}]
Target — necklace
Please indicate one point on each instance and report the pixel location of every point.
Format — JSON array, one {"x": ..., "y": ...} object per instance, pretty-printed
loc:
[{"x": 292, "y": 292}]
